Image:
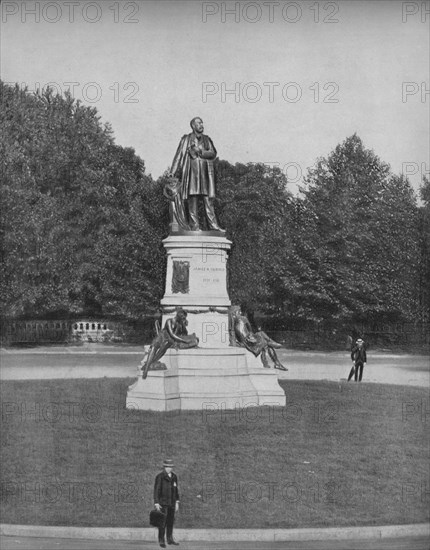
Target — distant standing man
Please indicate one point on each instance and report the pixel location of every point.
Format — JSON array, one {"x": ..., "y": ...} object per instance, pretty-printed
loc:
[
  {"x": 359, "y": 359},
  {"x": 166, "y": 500},
  {"x": 193, "y": 165}
]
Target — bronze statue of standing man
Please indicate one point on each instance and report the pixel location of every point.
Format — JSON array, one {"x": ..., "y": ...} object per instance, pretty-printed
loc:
[{"x": 192, "y": 176}]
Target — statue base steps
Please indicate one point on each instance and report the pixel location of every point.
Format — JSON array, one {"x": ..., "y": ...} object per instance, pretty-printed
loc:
[{"x": 208, "y": 379}]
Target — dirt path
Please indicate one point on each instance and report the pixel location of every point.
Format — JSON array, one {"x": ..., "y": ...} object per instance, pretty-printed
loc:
[{"x": 97, "y": 361}]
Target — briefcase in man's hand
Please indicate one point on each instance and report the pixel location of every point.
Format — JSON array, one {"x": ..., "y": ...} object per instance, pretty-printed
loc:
[{"x": 157, "y": 518}]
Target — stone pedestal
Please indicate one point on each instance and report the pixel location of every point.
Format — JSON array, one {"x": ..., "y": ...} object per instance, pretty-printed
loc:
[
  {"x": 215, "y": 372},
  {"x": 207, "y": 379},
  {"x": 196, "y": 270},
  {"x": 196, "y": 280}
]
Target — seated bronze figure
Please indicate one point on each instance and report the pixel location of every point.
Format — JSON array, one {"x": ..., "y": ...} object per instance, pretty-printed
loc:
[
  {"x": 258, "y": 343},
  {"x": 174, "y": 334}
]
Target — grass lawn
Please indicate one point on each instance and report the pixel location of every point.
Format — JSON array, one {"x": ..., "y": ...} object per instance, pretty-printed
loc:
[{"x": 337, "y": 454}]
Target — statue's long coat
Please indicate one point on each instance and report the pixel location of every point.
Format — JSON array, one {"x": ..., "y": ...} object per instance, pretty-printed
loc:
[{"x": 196, "y": 175}]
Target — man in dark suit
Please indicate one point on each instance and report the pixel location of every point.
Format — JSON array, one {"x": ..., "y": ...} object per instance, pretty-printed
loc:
[
  {"x": 166, "y": 500},
  {"x": 193, "y": 166},
  {"x": 359, "y": 359}
]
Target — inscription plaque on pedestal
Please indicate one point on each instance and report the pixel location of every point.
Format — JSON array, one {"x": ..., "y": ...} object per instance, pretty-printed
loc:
[{"x": 181, "y": 277}]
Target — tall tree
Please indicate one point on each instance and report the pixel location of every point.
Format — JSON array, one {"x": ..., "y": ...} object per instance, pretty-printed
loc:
[
  {"x": 359, "y": 239},
  {"x": 424, "y": 274},
  {"x": 75, "y": 230},
  {"x": 255, "y": 207}
]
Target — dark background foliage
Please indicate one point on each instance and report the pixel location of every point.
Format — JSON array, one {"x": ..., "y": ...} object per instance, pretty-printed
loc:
[{"x": 82, "y": 225}]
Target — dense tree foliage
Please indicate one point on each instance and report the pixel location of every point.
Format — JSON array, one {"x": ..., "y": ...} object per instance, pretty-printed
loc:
[
  {"x": 79, "y": 233},
  {"x": 424, "y": 272},
  {"x": 82, "y": 225},
  {"x": 348, "y": 250},
  {"x": 255, "y": 209},
  {"x": 358, "y": 239}
]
